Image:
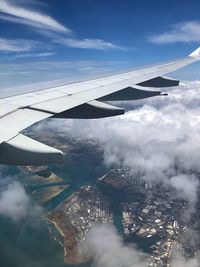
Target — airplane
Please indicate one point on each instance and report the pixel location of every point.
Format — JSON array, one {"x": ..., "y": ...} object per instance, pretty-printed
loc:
[{"x": 83, "y": 100}]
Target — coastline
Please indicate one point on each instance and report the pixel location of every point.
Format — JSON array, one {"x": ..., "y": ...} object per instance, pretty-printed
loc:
[
  {"x": 56, "y": 226},
  {"x": 60, "y": 231},
  {"x": 67, "y": 231},
  {"x": 69, "y": 241}
]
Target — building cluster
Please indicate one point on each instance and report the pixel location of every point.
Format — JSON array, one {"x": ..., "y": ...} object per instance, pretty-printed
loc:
[
  {"x": 86, "y": 208},
  {"x": 149, "y": 213},
  {"x": 154, "y": 215}
]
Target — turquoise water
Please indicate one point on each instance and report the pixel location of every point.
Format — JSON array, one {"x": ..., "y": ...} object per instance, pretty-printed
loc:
[{"x": 23, "y": 245}]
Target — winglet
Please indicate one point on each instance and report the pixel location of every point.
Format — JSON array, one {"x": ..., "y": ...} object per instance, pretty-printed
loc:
[{"x": 195, "y": 54}]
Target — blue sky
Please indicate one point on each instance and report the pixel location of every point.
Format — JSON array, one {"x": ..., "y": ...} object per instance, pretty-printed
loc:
[{"x": 47, "y": 40}]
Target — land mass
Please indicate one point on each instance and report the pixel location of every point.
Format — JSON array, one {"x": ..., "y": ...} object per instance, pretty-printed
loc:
[
  {"x": 75, "y": 216},
  {"x": 46, "y": 194},
  {"x": 151, "y": 216}
]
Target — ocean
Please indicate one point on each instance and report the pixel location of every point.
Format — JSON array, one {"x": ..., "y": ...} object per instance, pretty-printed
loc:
[{"x": 25, "y": 245}]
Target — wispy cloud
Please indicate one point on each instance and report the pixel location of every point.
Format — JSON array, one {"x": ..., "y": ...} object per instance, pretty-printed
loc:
[
  {"x": 181, "y": 32},
  {"x": 19, "y": 45},
  {"x": 19, "y": 14},
  {"x": 29, "y": 71},
  {"x": 48, "y": 27},
  {"x": 97, "y": 44},
  {"x": 38, "y": 55}
]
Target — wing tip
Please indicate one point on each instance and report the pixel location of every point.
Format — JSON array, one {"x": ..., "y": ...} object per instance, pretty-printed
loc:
[{"x": 195, "y": 54}]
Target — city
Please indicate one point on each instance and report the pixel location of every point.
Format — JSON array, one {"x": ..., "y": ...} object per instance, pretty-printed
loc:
[{"x": 151, "y": 217}]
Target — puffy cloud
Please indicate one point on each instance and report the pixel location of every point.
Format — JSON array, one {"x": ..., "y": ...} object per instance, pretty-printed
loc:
[
  {"x": 158, "y": 140},
  {"x": 186, "y": 186},
  {"x": 108, "y": 249},
  {"x": 15, "y": 204}
]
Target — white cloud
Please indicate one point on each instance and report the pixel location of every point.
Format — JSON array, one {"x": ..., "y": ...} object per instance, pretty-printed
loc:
[
  {"x": 49, "y": 27},
  {"x": 19, "y": 14},
  {"x": 158, "y": 141},
  {"x": 27, "y": 55},
  {"x": 15, "y": 74},
  {"x": 179, "y": 261},
  {"x": 186, "y": 187},
  {"x": 89, "y": 44},
  {"x": 19, "y": 45},
  {"x": 15, "y": 203},
  {"x": 108, "y": 249},
  {"x": 181, "y": 32}
]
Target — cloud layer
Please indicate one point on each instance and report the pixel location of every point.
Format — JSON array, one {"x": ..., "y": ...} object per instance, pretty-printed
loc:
[{"x": 159, "y": 140}]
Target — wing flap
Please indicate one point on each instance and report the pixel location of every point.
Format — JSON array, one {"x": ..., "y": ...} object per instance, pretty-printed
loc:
[
  {"x": 91, "y": 110},
  {"x": 130, "y": 93},
  {"x": 160, "y": 82},
  {"x": 22, "y": 150}
]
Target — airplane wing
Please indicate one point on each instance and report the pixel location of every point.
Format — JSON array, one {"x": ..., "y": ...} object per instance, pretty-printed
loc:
[{"x": 83, "y": 100}]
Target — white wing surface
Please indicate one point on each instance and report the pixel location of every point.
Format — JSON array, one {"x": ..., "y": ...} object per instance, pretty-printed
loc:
[{"x": 79, "y": 100}]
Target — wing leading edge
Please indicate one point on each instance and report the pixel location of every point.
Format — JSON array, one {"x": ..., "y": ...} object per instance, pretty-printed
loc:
[{"x": 78, "y": 100}]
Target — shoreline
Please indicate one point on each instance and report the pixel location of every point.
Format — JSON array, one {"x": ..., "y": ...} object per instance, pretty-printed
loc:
[
  {"x": 60, "y": 231},
  {"x": 56, "y": 226}
]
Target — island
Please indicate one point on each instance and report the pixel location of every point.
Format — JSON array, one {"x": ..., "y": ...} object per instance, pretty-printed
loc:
[
  {"x": 150, "y": 216},
  {"x": 75, "y": 216}
]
